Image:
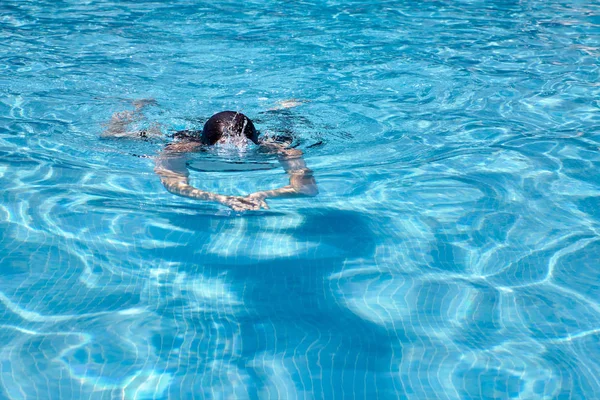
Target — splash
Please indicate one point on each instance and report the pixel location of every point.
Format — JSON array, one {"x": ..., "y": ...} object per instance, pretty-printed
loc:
[{"x": 233, "y": 142}]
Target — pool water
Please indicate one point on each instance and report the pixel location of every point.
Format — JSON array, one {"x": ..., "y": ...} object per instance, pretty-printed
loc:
[{"x": 452, "y": 252}]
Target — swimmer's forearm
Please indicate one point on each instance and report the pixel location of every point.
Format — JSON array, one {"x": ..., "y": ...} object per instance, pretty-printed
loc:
[
  {"x": 302, "y": 184},
  {"x": 240, "y": 204},
  {"x": 286, "y": 191},
  {"x": 176, "y": 181},
  {"x": 183, "y": 189},
  {"x": 301, "y": 177}
]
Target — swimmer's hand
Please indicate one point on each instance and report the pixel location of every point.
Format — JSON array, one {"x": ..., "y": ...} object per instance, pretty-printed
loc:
[
  {"x": 290, "y": 103},
  {"x": 248, "y": 203},
  {"x": 258, "y": 198}
]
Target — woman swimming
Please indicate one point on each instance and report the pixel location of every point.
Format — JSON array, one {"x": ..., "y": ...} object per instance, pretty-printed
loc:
[{"x": 222, "y": 128}]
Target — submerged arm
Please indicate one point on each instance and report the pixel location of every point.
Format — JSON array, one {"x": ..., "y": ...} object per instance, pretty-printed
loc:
[
  {"x": 302, "y": 182},
  {"x": 171, "y": 167},
  {"x": 120, "y": 123}
]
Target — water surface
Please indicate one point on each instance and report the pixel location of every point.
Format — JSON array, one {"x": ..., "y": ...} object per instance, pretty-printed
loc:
[{"x": 452, "y": 252}]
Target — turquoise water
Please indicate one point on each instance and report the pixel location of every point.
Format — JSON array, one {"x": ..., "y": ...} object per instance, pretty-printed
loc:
[{"x": 452, "y": 253}]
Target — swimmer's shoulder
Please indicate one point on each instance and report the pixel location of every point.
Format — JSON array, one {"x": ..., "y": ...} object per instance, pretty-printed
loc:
[
  {"x": 186, "y": 141},
  {"x": 185, "y": 145}
]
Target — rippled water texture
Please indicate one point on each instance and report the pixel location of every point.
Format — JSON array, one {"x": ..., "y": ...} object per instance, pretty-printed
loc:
[{"x": 453, "y": 250}]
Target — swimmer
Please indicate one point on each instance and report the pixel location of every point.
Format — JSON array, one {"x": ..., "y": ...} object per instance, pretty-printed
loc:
[{"x": 222, "y": 128}]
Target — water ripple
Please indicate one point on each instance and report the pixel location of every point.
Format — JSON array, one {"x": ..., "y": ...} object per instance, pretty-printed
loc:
[{"x": 451, "y": 253}]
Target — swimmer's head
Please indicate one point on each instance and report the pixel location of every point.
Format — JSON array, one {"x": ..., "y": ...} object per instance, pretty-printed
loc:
[{"x": 228, "y": 126}]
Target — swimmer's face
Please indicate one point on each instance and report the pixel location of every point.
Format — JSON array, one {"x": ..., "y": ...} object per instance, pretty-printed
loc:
[{"x": 229, "y": 127}]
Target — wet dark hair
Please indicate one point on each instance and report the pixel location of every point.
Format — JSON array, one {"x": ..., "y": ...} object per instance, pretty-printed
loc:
[{"x": 234, "y": 122}]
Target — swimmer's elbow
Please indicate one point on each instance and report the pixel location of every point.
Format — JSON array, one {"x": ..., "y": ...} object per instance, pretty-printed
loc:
[
  {"x": 174, "y": 185},
  {"x": 309, "y": 190},
  {"x": 171, "y": 186},
  {"x": 304, "y": 184}
]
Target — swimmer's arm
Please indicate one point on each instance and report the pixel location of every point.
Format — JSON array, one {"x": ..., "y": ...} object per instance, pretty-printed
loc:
[
  {"x": 171, "y": 167},
  {"x": 121, "y": 122},
  {"x": 302, "y": 181},
  {"x": 178, "y": 183}
]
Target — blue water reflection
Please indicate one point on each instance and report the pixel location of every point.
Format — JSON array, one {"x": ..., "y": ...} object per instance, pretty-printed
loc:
[{"x": 451, "y": 253}]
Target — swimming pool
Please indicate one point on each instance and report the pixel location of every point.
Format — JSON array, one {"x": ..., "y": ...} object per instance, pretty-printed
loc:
[{"x": 452, "y": 252}]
